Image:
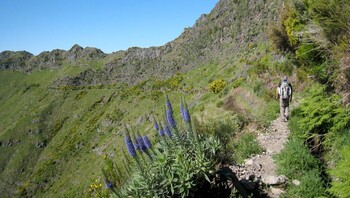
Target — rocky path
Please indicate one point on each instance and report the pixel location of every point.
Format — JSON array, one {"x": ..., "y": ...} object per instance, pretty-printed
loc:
[{"x": 260, "y": 169}]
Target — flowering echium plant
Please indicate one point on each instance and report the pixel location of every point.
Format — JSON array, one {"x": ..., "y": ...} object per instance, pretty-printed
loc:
[{"x": 181, "y": 164}]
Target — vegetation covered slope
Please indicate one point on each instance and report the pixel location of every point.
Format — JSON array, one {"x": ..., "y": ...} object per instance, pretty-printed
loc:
[{"x": 62, "y": 111}]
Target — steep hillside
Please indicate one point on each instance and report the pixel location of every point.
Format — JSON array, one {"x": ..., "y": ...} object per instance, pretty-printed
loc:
[{"x": 68, "y": 106}]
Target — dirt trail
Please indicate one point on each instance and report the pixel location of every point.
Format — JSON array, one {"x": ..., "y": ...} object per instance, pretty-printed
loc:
[
  {"x": 272, "y": 142},
  {"x": 261, "y": 169}
]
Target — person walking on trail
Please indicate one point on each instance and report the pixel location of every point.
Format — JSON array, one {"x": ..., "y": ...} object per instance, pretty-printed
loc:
[{"x": 285, "y": 93}]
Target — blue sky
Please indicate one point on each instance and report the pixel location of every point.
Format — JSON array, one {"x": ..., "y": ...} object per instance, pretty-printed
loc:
[{"x": 110, "y": 25}]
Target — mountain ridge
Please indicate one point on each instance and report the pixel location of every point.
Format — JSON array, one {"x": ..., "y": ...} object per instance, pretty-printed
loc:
[{"x": 216, "y": 36}]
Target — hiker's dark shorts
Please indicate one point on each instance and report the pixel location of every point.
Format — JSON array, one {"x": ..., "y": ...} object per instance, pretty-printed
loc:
[{"x": 285, "y": 102}]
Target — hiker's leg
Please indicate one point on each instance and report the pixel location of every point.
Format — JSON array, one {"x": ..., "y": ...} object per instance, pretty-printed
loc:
[
  {"x": 287, "y": 112},
  {"x": 281, "y": 109}
]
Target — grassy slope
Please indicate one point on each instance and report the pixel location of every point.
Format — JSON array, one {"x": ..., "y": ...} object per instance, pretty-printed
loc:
[{"x": 79, "y": 127}]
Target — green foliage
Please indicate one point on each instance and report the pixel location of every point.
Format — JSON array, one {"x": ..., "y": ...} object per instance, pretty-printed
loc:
[
  {"x": 179, "y": 165},
  {"x": 244, "y": 146},
  {"x": 217, "y": 85},
  {"x": 295, "y": 160},
  {"x": 332, "y": 16},
  {"x": 169, "y": 84},
  {"x": 311, "y": 185},
  {"x": 178, "y": 171},
  {"x": 238, "y": 82},
  {"x": 116, "y": 115},
  {"x": 309, "y": 53},
  {"x": 258, "y": 88},
  {"x": 286, "y": 67},
  {"x": 224, "y": 126},
  {"x": 341, "y": 173},
  {"x": 293, "y": 25},
  {"x": 320, "y": 121},
  {"x": 278, "y": 34},
  {"x": 80, "y": 95},
  {"x": 271, "y": 112},
  {"x": 262, "y": 65},
  {"x": 323, "y": 114}
]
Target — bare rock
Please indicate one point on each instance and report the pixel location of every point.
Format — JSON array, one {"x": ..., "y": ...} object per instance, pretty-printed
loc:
[
  {"x": 249, "y": 162},
  {"x": 274, "y": 180},
  {"x": 276, "y": 191},
  {"x": 296, "y": 182}
]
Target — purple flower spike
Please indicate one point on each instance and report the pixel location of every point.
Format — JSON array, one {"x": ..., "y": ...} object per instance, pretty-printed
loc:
[
  {"x": 186, "y": 116},
  {"x": 108, "y": 184},
  {"x": 182, "y": 108},
  {"x": 161, "y": 132},
  {"x": 168, "y": 105},
  {"x": 170, "y": 119},
  {"x": 142, "y": 145},
  {"x": 156, "y": 127},
  {"x": 136, "y": 146},
  {"x": 147, "y": 142},
  {"x": 167, "y": 131},
  {"x": 130, "y": 147}
]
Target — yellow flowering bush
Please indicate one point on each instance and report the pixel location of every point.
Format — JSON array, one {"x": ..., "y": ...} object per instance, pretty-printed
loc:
[
  {"x": 217, "y": 85},
  {"x": 95, "y": 188}
]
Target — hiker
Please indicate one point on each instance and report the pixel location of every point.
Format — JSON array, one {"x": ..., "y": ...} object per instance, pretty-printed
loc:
[{"x": 285, "y": 93}]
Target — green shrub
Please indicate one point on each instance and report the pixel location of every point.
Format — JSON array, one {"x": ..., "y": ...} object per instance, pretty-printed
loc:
[
  {"x": 220, "y": 103},
  {"x": 295, "y": 160},
  {"x": 258, "y": 88},
  {"x": 224, "y": 126},
  {"x": 323, "y": 114},
  {"x": 341, "y": 174},
  {"x": 332, "y": 16},
  {"x": 238, "y": 82},
  {"x": 285, "y": 67},
  {"x": 311, "y": 185},
  {"x": 293, "y": 25},
  {"x": 181, "y": 164},
  {"x": 245, "y": 146},
  {"x": 217, "y": 85},
  {"x": 278, "y": 34},
  {"x": 309, "y": 54},
  {"x": 271, "y": 112}
]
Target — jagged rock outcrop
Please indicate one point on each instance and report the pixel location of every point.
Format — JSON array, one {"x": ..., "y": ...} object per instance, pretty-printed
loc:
[
  {"x": 215, "y": 37},
  {"x": 25, "y": 61},
  {"x": 14, "y": 60}
]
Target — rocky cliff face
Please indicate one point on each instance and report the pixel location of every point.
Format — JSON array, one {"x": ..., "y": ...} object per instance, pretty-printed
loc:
[
  {"x": 215, "y": 37},
  {"x": 14, "y": 60},
  {"x": 27, "y": 62}
]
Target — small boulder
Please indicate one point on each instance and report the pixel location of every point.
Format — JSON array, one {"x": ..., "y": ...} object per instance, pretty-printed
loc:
[
  {"x": 276, "y": 191},
  {"x": 274, "y": 180},
  {"x": 249, "y": 162},
  {"x": 296, "y": 182}
]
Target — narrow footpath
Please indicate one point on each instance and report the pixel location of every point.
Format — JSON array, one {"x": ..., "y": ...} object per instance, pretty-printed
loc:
[{"x": 261, "y": 168}]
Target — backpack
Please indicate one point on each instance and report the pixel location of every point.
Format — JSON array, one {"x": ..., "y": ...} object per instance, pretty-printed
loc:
[{"x": 286, "y": 90}]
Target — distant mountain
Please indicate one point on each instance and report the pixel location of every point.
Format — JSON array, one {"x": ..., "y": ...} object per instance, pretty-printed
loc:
[
  {"x": 217, "y": 36},
  {"x": 27, "y": 62}
]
